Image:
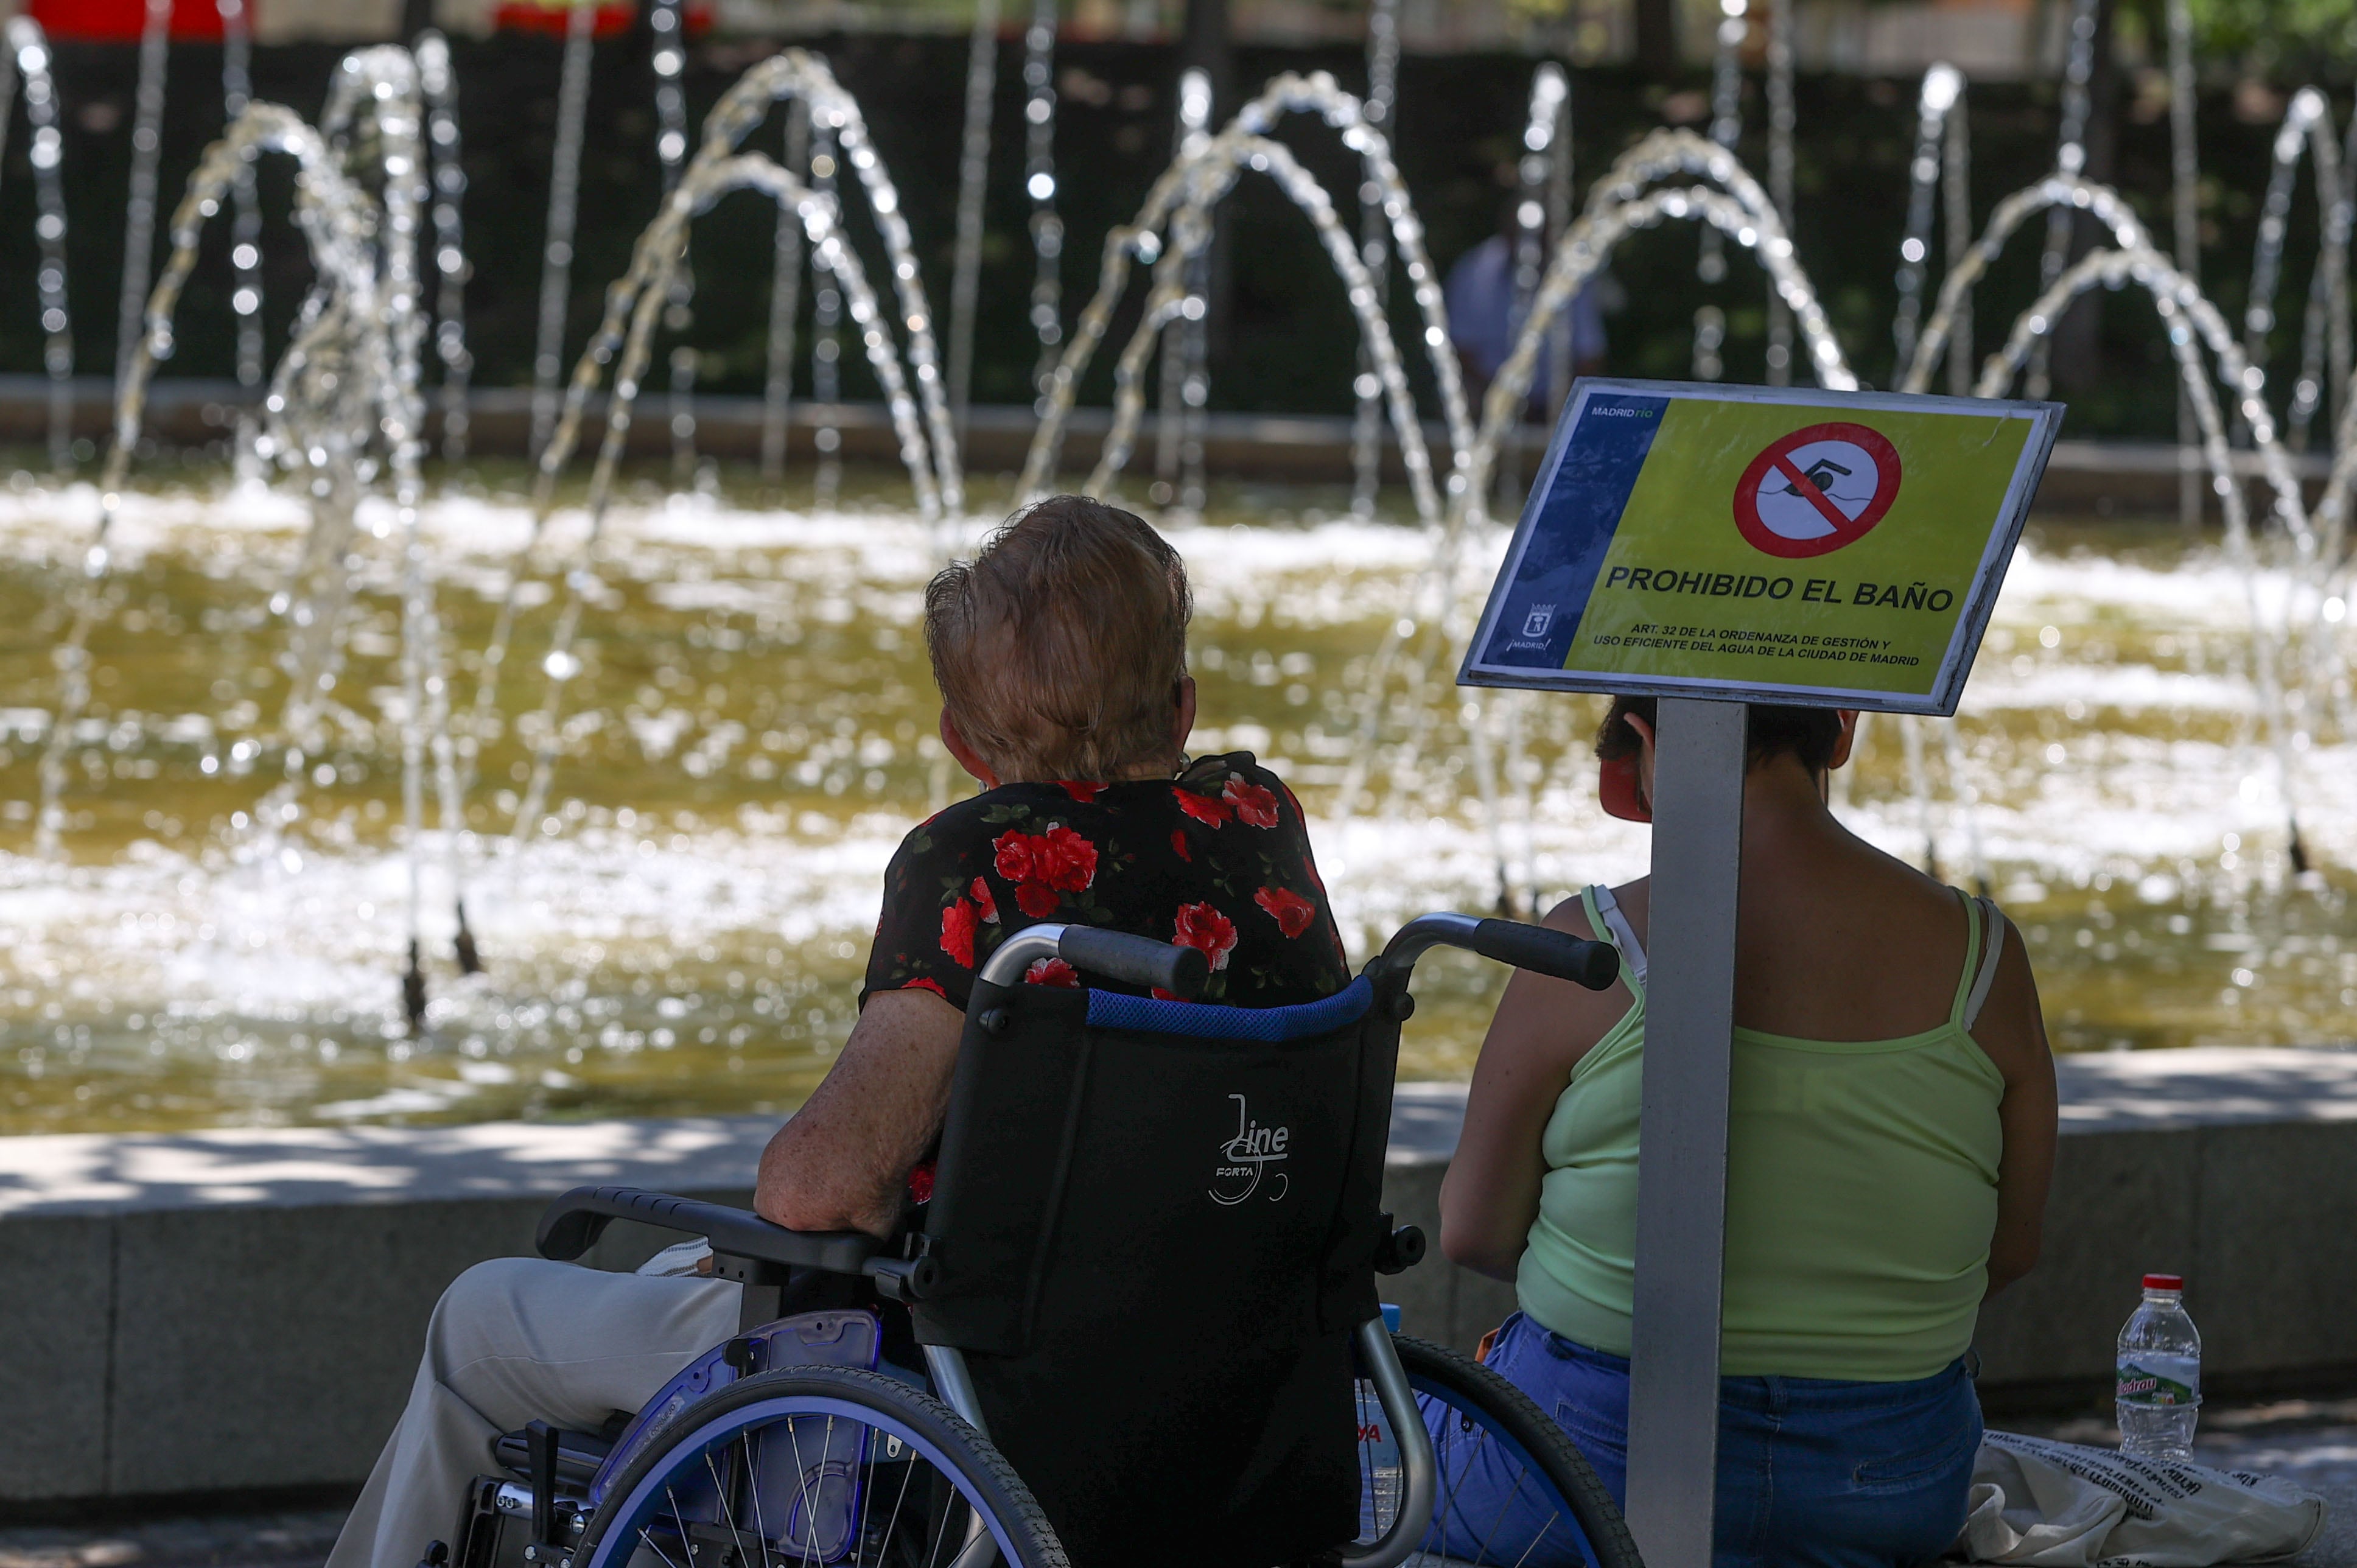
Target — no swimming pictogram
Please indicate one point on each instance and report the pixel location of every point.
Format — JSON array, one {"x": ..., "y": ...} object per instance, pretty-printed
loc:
[{"x": 1816, "y": 490}]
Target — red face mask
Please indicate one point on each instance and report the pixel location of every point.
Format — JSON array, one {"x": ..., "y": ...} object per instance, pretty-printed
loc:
[{"x": 1617, "y": 788}]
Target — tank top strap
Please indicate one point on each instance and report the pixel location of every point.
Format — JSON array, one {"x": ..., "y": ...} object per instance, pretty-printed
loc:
[
  {"x": 1992, "y": 945},
  {"x": 1604, "y": 917}
]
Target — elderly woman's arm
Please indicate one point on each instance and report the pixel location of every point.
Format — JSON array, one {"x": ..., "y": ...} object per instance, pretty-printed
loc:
[
  {"x": 843, "y": 1162},
  {"x": 2011, "y": 1030},
  {"x": 1543, "y": 1026}
]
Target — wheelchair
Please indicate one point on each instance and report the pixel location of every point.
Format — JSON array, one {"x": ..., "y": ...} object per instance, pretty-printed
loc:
[{"x": 1136, "y": 1326}]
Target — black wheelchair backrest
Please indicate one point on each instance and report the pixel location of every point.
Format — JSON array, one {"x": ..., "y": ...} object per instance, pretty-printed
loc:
[{"x": 1154, "y": 1225}]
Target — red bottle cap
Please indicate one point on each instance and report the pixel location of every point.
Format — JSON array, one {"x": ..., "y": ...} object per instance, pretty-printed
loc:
[{"x": 2164, "y": 1281}]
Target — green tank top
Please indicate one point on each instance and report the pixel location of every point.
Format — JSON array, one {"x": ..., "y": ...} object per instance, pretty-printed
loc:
[{"x": 1861, "y": 1188}]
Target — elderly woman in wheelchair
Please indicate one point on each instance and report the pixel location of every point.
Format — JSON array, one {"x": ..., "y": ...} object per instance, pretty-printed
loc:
[{"x": 1072, "y": 1256}]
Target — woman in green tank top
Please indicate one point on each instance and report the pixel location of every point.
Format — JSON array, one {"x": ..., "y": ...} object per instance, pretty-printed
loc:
[{"x": 1891, "y": 1137}]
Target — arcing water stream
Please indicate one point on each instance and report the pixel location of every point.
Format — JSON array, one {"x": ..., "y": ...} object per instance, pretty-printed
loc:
[{"x": 697, "y": 732}]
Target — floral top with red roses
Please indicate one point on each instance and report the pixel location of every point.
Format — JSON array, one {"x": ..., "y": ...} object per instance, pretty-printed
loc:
[{"x": 1216, "y": 858}]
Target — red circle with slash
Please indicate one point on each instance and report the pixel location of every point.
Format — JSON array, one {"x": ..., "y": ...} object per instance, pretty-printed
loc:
[{"x": 1816, "y": 490}]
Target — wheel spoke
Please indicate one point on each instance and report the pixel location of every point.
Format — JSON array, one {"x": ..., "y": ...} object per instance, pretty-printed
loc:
[
  {"x": 720, "y": 1491},
  {"x": 908, "y": 1473},
  {"x": 646, "y": 1540},
  {"x": 802, "y": 1488},
  {"x": 753, "y": 1491},
  {"x": 941, "y": 1528}
]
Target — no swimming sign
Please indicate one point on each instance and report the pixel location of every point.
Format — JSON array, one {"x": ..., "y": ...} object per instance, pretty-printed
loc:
[{"x": 1769, "y": 544}]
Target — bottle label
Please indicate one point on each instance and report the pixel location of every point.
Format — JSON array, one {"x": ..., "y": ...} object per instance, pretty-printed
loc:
[{"x": 2148, "y": 1379}]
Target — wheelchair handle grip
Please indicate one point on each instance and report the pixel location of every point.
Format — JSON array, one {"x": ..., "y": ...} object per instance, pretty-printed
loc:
[
  {"x": 1544, "y": 950},
  {"x": 1540, "y": 949},
  {"x": 1135, "y": 960}
]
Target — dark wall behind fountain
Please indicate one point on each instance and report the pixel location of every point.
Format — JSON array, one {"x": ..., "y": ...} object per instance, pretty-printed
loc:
[{"x": 1287, "y": 344}]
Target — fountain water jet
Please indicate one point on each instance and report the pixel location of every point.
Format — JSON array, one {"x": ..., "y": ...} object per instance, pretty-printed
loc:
[
  {"x": 1040, "y": 185},
  {"x": 669, "y": 60},
  {"x": 2070, "y": 156},
  {"x": 1550, "y": 95},
  {"x": 624, "y": 338},
  {"x": 1186, "y": 377},
  {"x": 146, "y": 154},
  {"x": 564, "y": 207},
  {"x": 785, "y": 305},
  {"x": 28, "y": 61},
  {"x": 244, "y": 233},
  {"x": 1781, "y": 121},
  {"x": 439, "y": 89},
  {"x": 973, "y": 171},
  {"x": 2307, "y": 127},
  {"x": 348, "y": 379},
  {"x": 2189, "y": 314},
  {"x": 1367, "y": 421},
  {"x": 1943, "y": 87},
  {"x": 1177, "y": 200}
]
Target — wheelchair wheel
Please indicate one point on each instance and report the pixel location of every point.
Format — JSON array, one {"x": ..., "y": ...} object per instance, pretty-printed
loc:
[
  {"x": 818, "y": 1465},
  {"x": 1512, "y": 1489}
]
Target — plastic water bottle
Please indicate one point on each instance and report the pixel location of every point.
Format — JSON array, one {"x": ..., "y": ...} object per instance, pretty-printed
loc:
[
  {"x": 2159, "y": 1385},
  {"x": 1379, "y": 1453}
]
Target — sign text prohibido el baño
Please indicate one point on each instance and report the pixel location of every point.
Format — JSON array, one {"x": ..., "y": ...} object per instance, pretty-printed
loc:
[{"x": 1774, "y": 545}]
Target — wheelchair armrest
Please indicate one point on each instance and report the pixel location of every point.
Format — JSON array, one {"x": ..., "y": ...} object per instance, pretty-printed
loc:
[{"x": 574, "y": 1221}]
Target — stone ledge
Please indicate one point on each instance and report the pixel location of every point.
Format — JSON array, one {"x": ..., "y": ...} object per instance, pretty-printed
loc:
[
  {"x": 90, "y": 1173},
  {"x": 238, "y": 1311}
]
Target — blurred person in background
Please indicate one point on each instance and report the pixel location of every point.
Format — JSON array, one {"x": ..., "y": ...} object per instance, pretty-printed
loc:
[{"x": 1486, "y": 316}]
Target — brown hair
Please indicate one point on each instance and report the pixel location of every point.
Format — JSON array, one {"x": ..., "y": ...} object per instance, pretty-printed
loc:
[
  {"x": 1770, "y": 729},
  {"x": 1060, "y": 647}
]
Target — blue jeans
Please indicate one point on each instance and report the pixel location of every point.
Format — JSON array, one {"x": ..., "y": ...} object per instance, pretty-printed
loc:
[{"x": 1831, "y": 1475}]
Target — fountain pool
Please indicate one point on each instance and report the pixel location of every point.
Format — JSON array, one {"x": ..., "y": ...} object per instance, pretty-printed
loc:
[{"x": 750, "y": 733}]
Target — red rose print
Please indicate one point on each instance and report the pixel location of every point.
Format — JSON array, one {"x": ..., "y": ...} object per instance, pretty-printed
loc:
[
  {"x": 983, "y": 902},
  {"x": 921, "y": 1183},
  {"x": 1051, "y": 971},
  {"x": 1202, "y": 809},
  {"x": 957, "y": 933},
  {"x": 1178, "y": 844},
  {"x": 1063, "y": 859},
  {"x": 1014, "y": 855},
  {"x": 1036, "y": 900},
  {"x": 1201, "y": 927},
  {"x": 1292, "y": 912},
  {"x": 922, "y": 984},
  {"x": 1080, "y": 790},
  {"x": 1253, "y": 803}
]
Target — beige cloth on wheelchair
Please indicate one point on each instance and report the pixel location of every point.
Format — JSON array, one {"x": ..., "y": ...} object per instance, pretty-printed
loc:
[
  {"x": 2039, "y": 1501},
  {"x": 521, "y": 1339}
]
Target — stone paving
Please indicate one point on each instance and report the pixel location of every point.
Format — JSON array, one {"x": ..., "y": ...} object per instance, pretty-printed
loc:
[{"x": 2313, "y": 1443}]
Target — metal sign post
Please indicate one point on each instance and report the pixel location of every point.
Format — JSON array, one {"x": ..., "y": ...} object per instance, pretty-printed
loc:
[
  {"x": 1711, "y": 546},
  {"x": 1698, "y": 766}
]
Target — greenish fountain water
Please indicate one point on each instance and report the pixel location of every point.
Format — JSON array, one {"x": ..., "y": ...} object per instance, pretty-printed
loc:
[{"x": 750, "y": 733}]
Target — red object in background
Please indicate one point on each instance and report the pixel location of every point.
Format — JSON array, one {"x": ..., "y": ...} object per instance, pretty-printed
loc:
[
  {"x": 123, "y": 21},
  {"x": 523, "y": 17}
]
